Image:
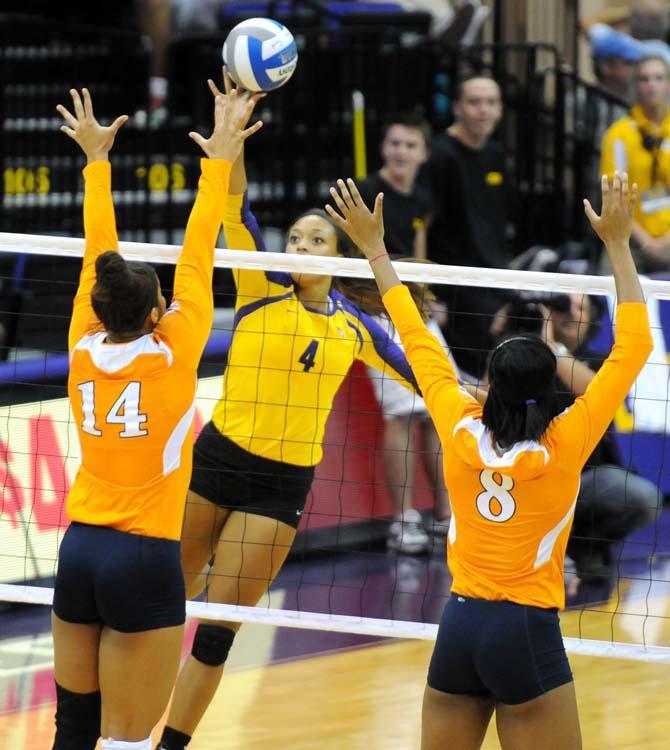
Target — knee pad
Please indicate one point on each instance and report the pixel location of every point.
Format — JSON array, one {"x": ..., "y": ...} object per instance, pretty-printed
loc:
[
  {"x": 77, "y": 719},
  {"x": 212, "y": 644}
]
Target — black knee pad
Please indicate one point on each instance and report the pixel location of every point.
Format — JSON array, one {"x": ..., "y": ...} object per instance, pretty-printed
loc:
[
  {"x": 212, "y": 644},
  {"x": 77, "y": 720}
]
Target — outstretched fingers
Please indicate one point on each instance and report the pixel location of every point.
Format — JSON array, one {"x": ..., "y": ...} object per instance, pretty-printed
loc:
[
  {"x": 219, "y": 110},
  {"x": 88, "y": 104},
  {"x": 227, "y": 80},
  {"x": 339, "y": 202},
  {"x": 252, "y": 129},
  {"x": 633, "y": 198},
  {"x": 337, "y": 219},
  {"x": 591, "y": 215},
  {"x": 358, "y": 201},
  {"x": 346, "y": 195},
  {"x": 202, "y": 142},
  {"x": 78, "y": 106},
  {"x": 213, "y": 88},
  {"x": 118, "y": 123},
  {"x": 65, "y": 113}
]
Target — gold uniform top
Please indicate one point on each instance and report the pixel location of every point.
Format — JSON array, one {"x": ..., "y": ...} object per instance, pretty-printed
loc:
[
  {"x": 512, "y": 512},
  {"x": 133, "y": 403},
  {"x": 624, "y": 150},
  {"x": 286, "y": 361}
]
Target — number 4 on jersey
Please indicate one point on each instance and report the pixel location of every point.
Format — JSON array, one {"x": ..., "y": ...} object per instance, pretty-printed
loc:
[
  {"x": 125, "y": 410},
  {"x": 308, "y": 357}
]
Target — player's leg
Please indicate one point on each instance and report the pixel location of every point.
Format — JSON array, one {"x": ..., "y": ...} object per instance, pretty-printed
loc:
[
  {"x": 140, "y": 590},
  {"x": 405, "y": 534},
  {"x": 205, "y": 513},
  {"x": 77, "y": 688},
  {"x": 137, "y": 674},
  {"x": 457, "y": 706},
  {"x": 251, "y": 550},
  {"x": 76, "y": 627},
  {"x": 458, "y": 722},
  {"x": 550, "y": 722},
  {"x": 524, "y": 665},
  {"x": 202, "y": 526},
  {"x": 433, "y": 465}
]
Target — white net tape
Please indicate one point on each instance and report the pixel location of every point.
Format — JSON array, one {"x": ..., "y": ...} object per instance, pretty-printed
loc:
[{"x": 426, "y": 273}]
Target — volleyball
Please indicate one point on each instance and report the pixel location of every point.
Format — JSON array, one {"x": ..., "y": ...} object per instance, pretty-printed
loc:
[{"x": 260, "y": 54}]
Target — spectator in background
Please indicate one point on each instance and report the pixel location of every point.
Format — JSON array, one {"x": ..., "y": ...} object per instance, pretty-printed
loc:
[
  {"x": 640, "y": 144},
  {"x": 407, "y": 208},
  {"x": 404, "y": 148},
  {"x": 647, "y": 24},
  {"x": 613, "y": 54},
  {"x": 612, "y": 501},
  {"x": 404, "y": 415},
  {"x": 471, "y": 204}
]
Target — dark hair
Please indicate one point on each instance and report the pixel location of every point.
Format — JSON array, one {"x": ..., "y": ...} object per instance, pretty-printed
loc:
[
  {"x": 414, "y": 120},
  {"x": 362, "y": 292},
  {"x": 124, "y": 293},
  {"x": 522, "y": 391},
  {"x": 465, "y": 78}
]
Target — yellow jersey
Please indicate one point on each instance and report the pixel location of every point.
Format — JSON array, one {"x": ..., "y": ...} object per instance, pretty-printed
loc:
[
  {"x": 623, "y": 150},
  {"x": 512, "y": 510},
  {"x": 134, "y": 402},
  {"x": 287, "y": 361}
]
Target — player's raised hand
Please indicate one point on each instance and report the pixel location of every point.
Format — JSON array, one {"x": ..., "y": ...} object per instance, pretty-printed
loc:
[
  {"x": 364, "y": 227},
  {"x": 228, "y": 85},
  {"x": 95, "y": 140},
  {"x": 231, "y": 115},
  {"x": 615, "y": 222}
]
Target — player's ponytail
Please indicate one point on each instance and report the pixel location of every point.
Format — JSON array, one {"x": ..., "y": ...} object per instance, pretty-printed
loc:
[
  {"x": 124, "y": 293},
  {"x": 522, "y": 393}
]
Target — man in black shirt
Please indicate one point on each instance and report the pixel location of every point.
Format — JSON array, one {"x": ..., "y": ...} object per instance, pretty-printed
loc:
[
  {"x": 468, "y": 181},
  {"x": 407, "y": 208}
]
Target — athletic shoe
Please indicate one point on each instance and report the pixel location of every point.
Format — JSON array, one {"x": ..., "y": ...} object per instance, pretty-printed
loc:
[{"x": 406, "y": 534}]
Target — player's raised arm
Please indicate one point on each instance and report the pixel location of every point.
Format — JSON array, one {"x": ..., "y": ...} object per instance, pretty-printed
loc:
[
  {"x": 240, "y": 228},
  {"x": 238, "y": 174},
  {"x": 96, "y": 142},
  {"x": 189, "y": 318},
  {"x": 614, "y": 227},
  {"x": 591, "y": 414},
  {"x": 431, "y": 366}
]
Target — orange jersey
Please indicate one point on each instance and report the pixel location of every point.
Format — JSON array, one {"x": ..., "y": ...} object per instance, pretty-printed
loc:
[
  {"x": 512, "y": 512},
  {"x": 133, "y": 403}
]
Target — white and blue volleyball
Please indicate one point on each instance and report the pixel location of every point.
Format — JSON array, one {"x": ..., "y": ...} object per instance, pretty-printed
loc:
[{"x": 260, "y": 54}]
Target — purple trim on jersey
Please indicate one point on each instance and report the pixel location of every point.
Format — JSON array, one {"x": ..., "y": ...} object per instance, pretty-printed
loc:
[
  {"x": 253, "y": 306},
  {"x": 384, "y": 345},
  {"x": 251, "y": 224},
  {"x": 249, "y": 221},
  {"x": 359, "y": 335}
]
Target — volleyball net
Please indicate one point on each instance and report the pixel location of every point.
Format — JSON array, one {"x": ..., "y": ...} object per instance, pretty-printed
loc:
[{"x": 350, "y": 505}]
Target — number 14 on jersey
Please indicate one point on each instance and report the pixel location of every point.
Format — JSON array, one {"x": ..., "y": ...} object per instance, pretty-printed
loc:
[{"x": 124, "y": 411}]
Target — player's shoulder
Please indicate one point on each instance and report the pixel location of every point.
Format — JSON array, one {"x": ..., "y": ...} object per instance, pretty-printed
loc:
[{"x": 143, "y": 354}]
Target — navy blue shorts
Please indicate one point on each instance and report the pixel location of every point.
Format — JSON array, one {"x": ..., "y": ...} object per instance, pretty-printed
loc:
[
  {"x": 511, "y": 652},
  {"x": 233, "y": 478},
  {"x": 127, "y": 582}
]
